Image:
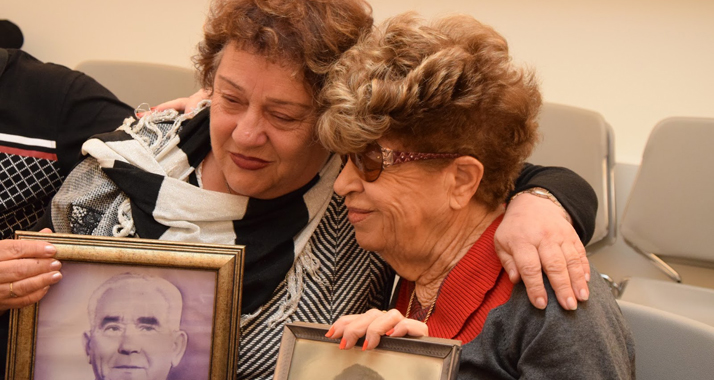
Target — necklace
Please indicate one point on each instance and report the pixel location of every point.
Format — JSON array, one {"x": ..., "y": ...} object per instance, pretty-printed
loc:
[
  {"x": 409, "y": 308},
  {"x": 228, "y": 187}
]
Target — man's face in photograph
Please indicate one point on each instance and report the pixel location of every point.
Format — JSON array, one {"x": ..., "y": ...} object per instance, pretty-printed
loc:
[{"x": 133, "y": 337}]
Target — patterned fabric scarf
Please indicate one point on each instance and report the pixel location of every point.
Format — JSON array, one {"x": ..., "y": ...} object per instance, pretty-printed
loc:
[{"x": 143, "y": 180}]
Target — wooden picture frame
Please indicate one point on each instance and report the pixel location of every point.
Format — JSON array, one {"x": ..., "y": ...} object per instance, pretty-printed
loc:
[
  {"x": 305, "y": 353},
  {"x": 57, "y": 337}
]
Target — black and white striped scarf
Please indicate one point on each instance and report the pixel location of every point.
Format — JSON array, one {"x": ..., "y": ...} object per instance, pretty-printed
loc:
[{"x": 302, "y": 261}]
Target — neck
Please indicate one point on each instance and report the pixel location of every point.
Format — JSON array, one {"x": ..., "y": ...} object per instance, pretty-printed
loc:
[{"x": 459, "y": 237}]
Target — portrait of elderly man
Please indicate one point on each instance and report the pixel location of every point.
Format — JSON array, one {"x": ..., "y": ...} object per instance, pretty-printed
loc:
[{"x": 135, "y": 328}]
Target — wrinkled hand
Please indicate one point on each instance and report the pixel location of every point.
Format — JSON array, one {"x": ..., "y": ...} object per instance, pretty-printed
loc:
[
  {"x": 373, "y": 325},
  {"x": 185, "y": 105},
  {"x": 30, "y": 268},
  {"x": 536, "y": 234}
]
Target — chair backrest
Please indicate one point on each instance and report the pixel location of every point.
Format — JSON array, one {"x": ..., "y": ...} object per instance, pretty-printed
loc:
[
  {"x": 670, "y": 210},
  {"x": 582, "y": 141},
  {"x": 135, "y": 83},
  {"x": 669, "y": 346}
]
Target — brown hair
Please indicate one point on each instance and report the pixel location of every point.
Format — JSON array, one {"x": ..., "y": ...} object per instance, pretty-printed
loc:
[
  {"x": 311, "y": 34},
  {"x": 445, "y": 87}
]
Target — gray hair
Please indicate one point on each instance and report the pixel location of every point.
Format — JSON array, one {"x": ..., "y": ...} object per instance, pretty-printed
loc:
[{"x": 166, "y": 289}]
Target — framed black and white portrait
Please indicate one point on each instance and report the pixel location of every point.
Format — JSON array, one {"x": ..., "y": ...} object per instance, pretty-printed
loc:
[
  {"x": 306, "y": 354},
  {"x": 131, "y": 308}
]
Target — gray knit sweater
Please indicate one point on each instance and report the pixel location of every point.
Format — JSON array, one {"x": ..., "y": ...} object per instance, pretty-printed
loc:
[{"x": 519, "y": 341}]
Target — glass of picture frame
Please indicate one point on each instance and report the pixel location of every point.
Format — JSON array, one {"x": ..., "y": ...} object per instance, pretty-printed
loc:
[{"x": 306, "y": 354}]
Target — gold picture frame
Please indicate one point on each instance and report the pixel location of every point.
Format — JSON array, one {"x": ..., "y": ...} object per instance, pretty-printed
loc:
[
  {"x": 44, "y": 336},
  {"x": 305, "y": 353}
]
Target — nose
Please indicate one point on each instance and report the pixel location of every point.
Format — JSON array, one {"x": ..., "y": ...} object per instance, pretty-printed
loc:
[
  {"x": 128, "y": 344},
  {"x": 249, "y": 130},
  {"x": 348, "y": 181}
]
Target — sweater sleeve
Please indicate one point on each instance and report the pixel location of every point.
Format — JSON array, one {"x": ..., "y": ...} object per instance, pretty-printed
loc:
[
  {"x": 520, "y": 341},
  {"x": 572, "y": 191},
  {"x": 87, "y": 109}
]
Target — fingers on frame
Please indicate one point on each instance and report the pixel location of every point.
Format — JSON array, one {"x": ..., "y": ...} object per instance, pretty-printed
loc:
[
  {"x": 32, "y": 285},
  {"x": 380, "y": 326},
  {"x": 16, "y": 270},
  {"x": 22, "y": 301},
  {"x": 11, "y": 249},
  {"x": 348, "y": 326}
]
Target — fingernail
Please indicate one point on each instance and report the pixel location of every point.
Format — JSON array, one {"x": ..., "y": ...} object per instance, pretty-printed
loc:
[
  {"x": 512, "y": 274},
  {"x": 364, "y": 346},
  {"x": 55, "y": 265},
  {"x": 587, "y": 277},
  {"x": 343, "y": 344},
  {"x": 330, "y": 332},
  {"x": 540, "y": 303},
  {"x": 584, "y": 294},
  {"x": 390, "y": 332},
  {"x": 56, "y": 276},
  {"x": 50, "y": 249},
  {"x": 572, "y": 305}
]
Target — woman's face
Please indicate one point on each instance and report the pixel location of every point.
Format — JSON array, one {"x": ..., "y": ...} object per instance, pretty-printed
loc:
[
  {"x": 262, "y": 121},
  {"x": 401, "y": 215}
]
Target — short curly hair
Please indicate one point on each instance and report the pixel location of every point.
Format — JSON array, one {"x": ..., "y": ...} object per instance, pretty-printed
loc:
[
  {"x": 311, "y": 34},
  {"x": 445, "y": 87}
]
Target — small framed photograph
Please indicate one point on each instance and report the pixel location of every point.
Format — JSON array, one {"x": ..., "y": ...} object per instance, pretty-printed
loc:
[
  {"x": 306, "y": 354},
  {"x": 129, "y": 309}
]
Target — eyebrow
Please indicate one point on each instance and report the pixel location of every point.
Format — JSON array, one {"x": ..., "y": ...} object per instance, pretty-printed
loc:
[
  {"x": 272, "y": 100},
  {"x": 148, "y": 321},
  {"x": 141, "y": 320},
  {"x": 109, "y": 319}
]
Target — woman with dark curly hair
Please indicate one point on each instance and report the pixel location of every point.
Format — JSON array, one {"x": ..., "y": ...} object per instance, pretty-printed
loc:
[{"x": 435, "y": 123}]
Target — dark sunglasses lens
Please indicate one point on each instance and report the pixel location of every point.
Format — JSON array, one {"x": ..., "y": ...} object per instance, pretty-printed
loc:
[{"x": 371, "y": 162}]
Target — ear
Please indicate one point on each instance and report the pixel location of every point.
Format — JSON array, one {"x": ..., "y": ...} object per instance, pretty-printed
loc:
[
  {"x": 467, "y": 173},
  {"x": 179, "y": 347},
  {"x": 86, "y": 340}
]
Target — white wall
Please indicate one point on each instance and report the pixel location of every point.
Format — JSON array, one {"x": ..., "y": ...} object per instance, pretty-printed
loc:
[{"x": 636, "y": 62}]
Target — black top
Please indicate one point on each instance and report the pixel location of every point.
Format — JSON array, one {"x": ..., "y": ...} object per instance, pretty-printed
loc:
[
  {"x": 10, "y": 35},
  {"x": 574, "y": 193},
  {"x": 46, "y": 112}
]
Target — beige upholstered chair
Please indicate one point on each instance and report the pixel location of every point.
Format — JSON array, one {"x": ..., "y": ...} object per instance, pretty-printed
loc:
[
  {"x": 135, "y": 83},
  {"x": 581, "y": 140},
  {"x": 670, "y": 215},
  {"x": 669, "y": 346}
]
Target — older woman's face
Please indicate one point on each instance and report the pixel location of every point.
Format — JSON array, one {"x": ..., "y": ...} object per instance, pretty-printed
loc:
[
  {"x": 401, "y": 215},
  {"x": 262, "y": 121}
]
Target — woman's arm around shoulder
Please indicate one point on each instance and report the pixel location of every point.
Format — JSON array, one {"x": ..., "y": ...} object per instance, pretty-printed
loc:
[{"x": 549, "y": 219}]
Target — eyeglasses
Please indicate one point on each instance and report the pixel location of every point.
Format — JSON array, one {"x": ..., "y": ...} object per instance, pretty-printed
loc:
[{"x": 374, "y": 159}]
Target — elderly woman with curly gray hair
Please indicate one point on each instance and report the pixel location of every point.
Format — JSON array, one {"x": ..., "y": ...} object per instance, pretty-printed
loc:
[{"x": 434, "y": 122}]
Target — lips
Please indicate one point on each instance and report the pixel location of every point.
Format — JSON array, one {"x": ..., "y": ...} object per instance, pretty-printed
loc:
[
  {"x": 356, "y": 215},
  {"x": 247, "y": 162}
]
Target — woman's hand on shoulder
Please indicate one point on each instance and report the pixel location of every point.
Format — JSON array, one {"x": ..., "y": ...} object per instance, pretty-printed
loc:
[
  {"x": 27, "y": 269},
  {"x": 536, "y": 236},
  {"x": 185, "y": 105},
  {"x": 372, "y": 325}
]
